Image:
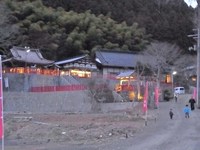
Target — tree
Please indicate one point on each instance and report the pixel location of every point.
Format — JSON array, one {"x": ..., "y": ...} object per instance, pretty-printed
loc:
[
  {"x": 8, "y": 32},
  {"x": 165, "y": 20},
  {"x": 186, "y": 61},
  {"x": 140, "y": 69},
  {"x": 160, "y": 56},
  {"x": 68, "y": 33},
  {"x": 99, "y": 92},
  {"x": 186, "y": 69}
]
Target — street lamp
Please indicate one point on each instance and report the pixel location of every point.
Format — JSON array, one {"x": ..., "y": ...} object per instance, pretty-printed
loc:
[
  {"x": 27, "y": 51},
  {"x": 26, "y": 85},
  {"x": 173, "y": 73}
]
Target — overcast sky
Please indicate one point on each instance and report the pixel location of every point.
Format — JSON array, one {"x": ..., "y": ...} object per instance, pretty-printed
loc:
[{"x": 192, "y": 3}]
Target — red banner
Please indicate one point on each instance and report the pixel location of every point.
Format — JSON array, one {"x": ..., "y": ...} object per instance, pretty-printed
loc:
[
  {"x": 156, "y": 96},
  {"x": 145, "y": 101},
  {"x": 194, "y": 95},
  {"x": 1, "y": 119},
  {"x": 1, "y": 102}
]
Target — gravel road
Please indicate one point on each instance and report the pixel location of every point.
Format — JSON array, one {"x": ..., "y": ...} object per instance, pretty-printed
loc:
[{"x": 165, "y": 134}]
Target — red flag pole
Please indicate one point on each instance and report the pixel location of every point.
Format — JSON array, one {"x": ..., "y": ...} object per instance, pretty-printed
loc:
[
  {"x": 1, "y": 107},
  {"x": 194, "y": 95},
  {"x": 145, "y": 101},
  {"x": 156, "y": 96}
]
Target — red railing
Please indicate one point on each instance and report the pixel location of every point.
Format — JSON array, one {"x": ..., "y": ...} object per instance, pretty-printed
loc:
[{"x": 72, "y": 87}]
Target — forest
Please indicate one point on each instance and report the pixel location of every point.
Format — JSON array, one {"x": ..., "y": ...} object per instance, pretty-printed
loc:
[{"x": 67, "y": 28}]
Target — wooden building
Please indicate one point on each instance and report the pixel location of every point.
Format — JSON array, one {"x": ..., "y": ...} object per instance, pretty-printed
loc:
[
  {"x": 112, "y": 63},
  {"x": 27, "y": 60},
  {"x": 115, "y": 62},
  {"x": 80, "y": 66}
]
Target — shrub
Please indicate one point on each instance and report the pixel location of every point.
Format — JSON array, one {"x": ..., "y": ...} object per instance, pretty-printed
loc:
[{"x": 167, "y": 95}]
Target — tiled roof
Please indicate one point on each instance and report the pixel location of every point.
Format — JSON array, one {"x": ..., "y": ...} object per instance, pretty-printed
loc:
[
  {"x": 31, "y": 56},
  {"x": 125, "y": 74},
  {"x": 82, "y": 61},
  {"x": 117, "y": 59},
  {"x": 70, "y": 60}
]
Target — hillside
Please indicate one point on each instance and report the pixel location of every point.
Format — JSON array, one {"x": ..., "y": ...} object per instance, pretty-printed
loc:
[
  {"x": 165, "y": 20},
  {"x": 69, "y": 28},
  {"x": 6, "y": 29}
]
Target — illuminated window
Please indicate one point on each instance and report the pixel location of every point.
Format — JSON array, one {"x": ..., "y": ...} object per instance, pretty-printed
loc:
[
  {"x": 80, "y": 73},
  {"x": 168, "y": 78}
]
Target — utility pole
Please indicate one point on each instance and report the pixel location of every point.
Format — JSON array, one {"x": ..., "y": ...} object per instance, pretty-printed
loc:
[
  {"x": 197, "y": 37},
  {"x": 198, "y": 65},
  {"x": 198, "y": 53}
]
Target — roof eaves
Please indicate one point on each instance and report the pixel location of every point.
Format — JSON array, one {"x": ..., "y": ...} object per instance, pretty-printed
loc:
[{"x": 70, "y": 60}]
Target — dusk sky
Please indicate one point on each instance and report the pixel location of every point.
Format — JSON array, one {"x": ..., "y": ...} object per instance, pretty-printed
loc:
[{"x": 192, "y": 3}]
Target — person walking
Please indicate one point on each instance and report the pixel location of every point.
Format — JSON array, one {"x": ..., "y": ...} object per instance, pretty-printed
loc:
[
  {"x": 176, "y": 97},
  {"x": 186, "y": 110},
  {"x": 171, "y": 114},
  {"x": 192, "y": 102}
]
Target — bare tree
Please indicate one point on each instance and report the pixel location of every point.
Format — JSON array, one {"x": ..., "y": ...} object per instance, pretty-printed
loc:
[
  {"x": 160, "y": 56},
  {"x": 187, "y": 69},
  {"x": 139, "y": 72},
  {"x": 186, "y": 64},
  {"x": 99, "y": 92}
]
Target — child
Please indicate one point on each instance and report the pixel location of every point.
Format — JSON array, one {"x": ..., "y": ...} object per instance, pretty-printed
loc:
[
  {"x": 171, "y": 114},
  {"x": 186, "y": 111}
]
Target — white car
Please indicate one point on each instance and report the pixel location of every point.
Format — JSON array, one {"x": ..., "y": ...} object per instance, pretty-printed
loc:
[{"x": 179, "y": 90}]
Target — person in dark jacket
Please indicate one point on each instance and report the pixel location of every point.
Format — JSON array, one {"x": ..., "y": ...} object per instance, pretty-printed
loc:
[
  {"x": 192, "y": 102},
  {"x": 171, "y": 114}
]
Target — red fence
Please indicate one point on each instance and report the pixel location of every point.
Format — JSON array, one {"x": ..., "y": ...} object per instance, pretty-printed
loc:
[{"x": 73, "y": 87}]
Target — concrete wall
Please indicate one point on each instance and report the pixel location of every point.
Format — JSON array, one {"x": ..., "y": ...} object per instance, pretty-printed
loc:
[
  {"x": 46, "y": 102},
  {"x": 114, "y": 107},
  {"x": 23, "y": 82},
  {"x": 17, "y": 99},
  {"x": 56, "y": 102}
]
